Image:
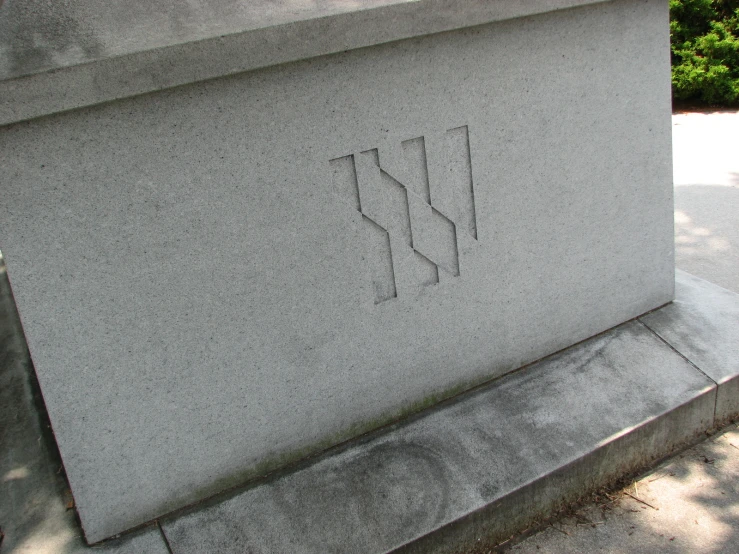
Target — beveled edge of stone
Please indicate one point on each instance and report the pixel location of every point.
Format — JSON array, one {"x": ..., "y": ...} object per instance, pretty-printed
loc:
[
  {"x": 147, "y": 539},
  {"x": 702, "y": 324},
  {"x": 34, "y": 510},
  {"x": 628, "y": 454},
  {"x": 295, "y": 38}
]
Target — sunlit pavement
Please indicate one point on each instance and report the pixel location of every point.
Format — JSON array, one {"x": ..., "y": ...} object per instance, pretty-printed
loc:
[
  {"x": 706, "y": 175},
  {"x": 691, "y": 502}
]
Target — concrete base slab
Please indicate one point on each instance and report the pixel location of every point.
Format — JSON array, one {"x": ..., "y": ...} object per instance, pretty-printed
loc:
[
  {"x": 479, "y": 467},
  {"x": 512, "y": 450},
  {"x": 488, "y": 463},
  {"x": 703, "y": 325},
  {"x": 692, "y": 506}
]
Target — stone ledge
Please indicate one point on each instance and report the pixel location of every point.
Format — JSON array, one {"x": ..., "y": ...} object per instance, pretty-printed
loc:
[
  {"x": 703, "y": 325},
  {"x": 488, "y": 463},
  {"x": 95, "y": 54}
]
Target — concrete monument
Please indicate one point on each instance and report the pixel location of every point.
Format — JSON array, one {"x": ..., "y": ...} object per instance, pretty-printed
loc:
[{"x": 240, "y": 234}]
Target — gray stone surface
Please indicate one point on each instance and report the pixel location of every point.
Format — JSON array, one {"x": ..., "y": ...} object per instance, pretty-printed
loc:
[
  {"x": 204, "y": 285},
  {"x": 56, "y": 56},
  {"x": 624, "y": 394},
  {"x": 693, "y": 507},
  {"x": 703, "y": 325},
  {"x": 34, "y": 513}
]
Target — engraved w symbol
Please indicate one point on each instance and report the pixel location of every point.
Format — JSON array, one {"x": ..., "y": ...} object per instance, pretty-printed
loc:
[{"x": 411, "y": 221}]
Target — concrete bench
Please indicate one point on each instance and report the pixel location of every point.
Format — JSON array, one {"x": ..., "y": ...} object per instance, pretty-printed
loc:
[{"x": 240, "y": 233}]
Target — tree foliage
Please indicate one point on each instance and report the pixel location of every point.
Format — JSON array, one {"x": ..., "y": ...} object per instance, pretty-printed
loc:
[{"x": 705, "y": 50}]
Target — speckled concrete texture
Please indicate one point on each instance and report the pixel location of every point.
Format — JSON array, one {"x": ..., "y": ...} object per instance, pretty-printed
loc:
[
  {"x": 206, "y": 290},
  {"x": 36, "y": 516},
  {"x": 545, "y": 425},
  {"x": 56, "y": 56},
  {"x": 688, "y": 504},
  {"x": 703, "y": 325}
]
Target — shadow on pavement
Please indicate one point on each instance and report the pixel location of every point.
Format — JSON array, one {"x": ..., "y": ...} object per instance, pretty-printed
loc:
[
  {"x": 688, "y": 504},
  {"x": 707, "y": 233}
]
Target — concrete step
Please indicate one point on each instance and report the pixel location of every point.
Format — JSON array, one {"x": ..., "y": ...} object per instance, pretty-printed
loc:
[
  {"x": 479, "y": 467},
  {"x": 489, "y": 462}
]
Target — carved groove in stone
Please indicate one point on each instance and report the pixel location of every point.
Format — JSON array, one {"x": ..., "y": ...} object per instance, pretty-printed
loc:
[
  {"x": 427, "y": 272},
  {"x": 445, "y": 233},
  {"x": 414, "y": 152},
  {"x": 399, "y": 219},
  {"x": 399, "y": 206},
  {"x": 379, "y": 256},
  {"x": 460, "y": 178},
  {"x": 344, "y": 174}
]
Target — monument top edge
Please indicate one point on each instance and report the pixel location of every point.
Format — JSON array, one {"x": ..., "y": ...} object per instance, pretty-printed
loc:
[{"x": 56, "y": 56}]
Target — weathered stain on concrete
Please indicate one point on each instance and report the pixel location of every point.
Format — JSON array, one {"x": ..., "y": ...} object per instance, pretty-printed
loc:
[
  {"x": 692, "y": 505},
  {"x": 555, "y": 426}
]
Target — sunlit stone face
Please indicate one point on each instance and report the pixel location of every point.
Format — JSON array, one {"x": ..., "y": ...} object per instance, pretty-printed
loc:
[{"x": 218, "y": 279}]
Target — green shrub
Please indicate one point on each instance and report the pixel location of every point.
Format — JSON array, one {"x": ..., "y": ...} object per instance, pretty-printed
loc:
[{"x": 705, "y": 50}]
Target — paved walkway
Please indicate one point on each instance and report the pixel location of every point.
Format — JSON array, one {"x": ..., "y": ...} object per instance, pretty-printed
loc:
[
  {"x": 691, "y": 502},
  {"x": 706, "y": 174}
]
